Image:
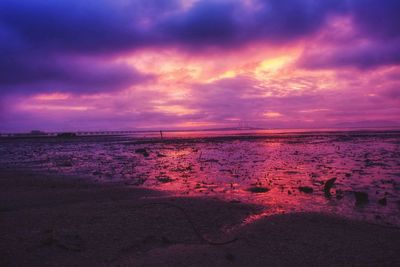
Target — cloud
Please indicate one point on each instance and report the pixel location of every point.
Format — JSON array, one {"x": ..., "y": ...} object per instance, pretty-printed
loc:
[
  {"x": 206, "y": 23},
  {"x": 78, "y": 48},
  {"x": 244, "y": 99},
  {"x": 81, "y": 76},
  {"x": 377, "y": 19},
  {"x": 365, "y": 55},
  {"x": 370, "y": 39},
  {"x": 114, "y": 26},
  {"x": 232, "y": 24},
  {"x": 34, "y": 30},
  {"x": 71, "y": 26}
]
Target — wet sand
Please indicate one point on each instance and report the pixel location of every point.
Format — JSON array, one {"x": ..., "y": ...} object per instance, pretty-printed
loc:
[
  {"x": 51, "y": 221},
  {"x": 233, "y": 167}
]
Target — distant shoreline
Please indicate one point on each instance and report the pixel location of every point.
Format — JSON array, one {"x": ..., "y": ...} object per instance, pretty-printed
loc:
[
  {"x": 191, "y": 134},
  {"x": 238, "y": 129}
]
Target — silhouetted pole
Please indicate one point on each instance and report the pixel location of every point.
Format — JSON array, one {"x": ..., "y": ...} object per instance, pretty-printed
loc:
[{"x": 161, "y": 135}]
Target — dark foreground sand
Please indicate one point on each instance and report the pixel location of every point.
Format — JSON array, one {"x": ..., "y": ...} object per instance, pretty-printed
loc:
[{"x": 50, "y": 221}]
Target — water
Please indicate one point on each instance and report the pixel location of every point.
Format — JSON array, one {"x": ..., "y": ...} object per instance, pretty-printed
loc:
[{"x": 227, "y": 164}]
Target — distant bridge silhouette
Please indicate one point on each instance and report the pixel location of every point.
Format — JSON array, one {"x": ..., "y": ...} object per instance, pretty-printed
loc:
[{"x": 77, "y": 133}]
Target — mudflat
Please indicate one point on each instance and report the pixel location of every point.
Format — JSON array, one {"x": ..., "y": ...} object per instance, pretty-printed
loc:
[
  {"x": 284, "y": 172},
  {"x": 52, "y": 221}
]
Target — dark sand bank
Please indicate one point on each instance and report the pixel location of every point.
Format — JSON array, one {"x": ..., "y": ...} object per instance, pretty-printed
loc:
[{"x": 48, "y": 221}]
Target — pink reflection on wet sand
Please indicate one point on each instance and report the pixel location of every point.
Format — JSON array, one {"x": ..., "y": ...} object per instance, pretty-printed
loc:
[{"x": 231, "y": 168}]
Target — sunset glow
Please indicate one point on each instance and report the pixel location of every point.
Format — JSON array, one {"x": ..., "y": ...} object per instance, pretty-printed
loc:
[
  {"x": 199, "y": 132},
  {"x": 199, "y": 64}
]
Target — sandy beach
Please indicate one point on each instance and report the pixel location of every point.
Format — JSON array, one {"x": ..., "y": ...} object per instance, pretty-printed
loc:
[{"x": 51, "y": 221}]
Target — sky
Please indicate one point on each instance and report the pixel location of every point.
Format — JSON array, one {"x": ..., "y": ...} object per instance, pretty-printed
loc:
[{"x": 194, "y": 64}]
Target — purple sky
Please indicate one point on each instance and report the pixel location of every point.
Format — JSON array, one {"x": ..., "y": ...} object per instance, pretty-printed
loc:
[{"x": 156, "y": 64}]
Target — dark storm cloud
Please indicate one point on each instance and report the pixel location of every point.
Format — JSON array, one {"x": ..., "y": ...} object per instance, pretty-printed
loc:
[
  {"x": 207, "y": 23},
  {"x": 376, "y": 18},
  {"x": 376, "y": 42},
  {"x": 80, "y": 26},
  {"x": 114, "y": 26}
]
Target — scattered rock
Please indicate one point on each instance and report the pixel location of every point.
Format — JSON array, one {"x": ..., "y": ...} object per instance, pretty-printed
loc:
[
  {"x": 318, "y": 183},
  {"x": 306, "y": 189},
  {"x": 291, "y": 172},
  {"x": 64, "y": 240},
  {"x": 70, "y": 241},
  {"x": 151, "y": 241},
  {"x": 142, "y": 151},
  {"x": 339, "y": 194},
  {"x": 48, "y": 239},
  {"x": 138, "y": 181},
  {"x": 258, "y": 189},
  {"x": 382, "y": 201},
  {"x": 165, "y": 240},
  {"x": 361, "y": 197},
  {"x": 212, "y": 160},
  {"x": 328, "y": 185},
  {"x": 230, "y": 257},
  {"x": 164, "y": 179}
]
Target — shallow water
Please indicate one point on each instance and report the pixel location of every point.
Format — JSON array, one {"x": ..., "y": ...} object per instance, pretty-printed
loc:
[{"x": 229, "y": 166}]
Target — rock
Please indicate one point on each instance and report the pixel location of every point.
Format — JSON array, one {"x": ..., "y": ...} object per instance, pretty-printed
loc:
[
  {"x": 65, "y": 240},
  {"x": 139, "y": 181},
  {"x": 361, "y": 197},
  {"x": 165, "y": 240},
  {"x": 164, "y": 179},
  {"x": 48, "y": 239},
  {"x": 306, "y": 189},
  {"x": 229, "y": 257},
  {"x": 339, "y": 194},
  {"x": 142, "y": 151},
  {"x": 258, "y": 189},
  {"x": 71, "y": 242},
  {"x": 328, "y": 185},
  {"x": 382, "y": 201}
]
